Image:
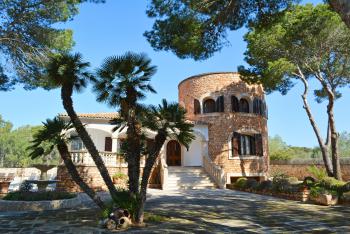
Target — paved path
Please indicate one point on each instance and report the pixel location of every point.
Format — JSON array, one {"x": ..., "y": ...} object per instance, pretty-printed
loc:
[{"x": 197, "y": 211}]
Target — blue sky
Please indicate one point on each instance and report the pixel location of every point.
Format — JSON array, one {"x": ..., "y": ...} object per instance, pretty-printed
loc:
[{"x": 116, "y": 27}]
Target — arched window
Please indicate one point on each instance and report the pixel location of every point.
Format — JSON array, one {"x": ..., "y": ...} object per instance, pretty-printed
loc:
[
  {"x": 209, "y": 106},
  {"x": 196, "y": 107},
  {"x": 256, "y": 106},
  {"x": 234, "y": 104},
  {"x": 243, "y": 105}
]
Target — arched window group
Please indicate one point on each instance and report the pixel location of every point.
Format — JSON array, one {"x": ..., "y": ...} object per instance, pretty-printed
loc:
[
  {"x": 246, "y": 144},
  {"x": 242, "y": 105},
  {"x": 209, "y": 105}
]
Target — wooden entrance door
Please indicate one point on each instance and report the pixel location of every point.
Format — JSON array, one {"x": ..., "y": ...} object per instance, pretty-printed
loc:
[{"x": 173, "y": 153}]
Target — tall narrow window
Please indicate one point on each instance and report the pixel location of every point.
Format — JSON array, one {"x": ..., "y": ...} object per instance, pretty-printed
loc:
[
  {"x": 247, "y": 146},
  {"x": 244, "y": 106},
  {"x": 108, "y": 144},
  {"x": 76, "y": 143},
  {"x": 220, "y": 106},
  {"x": 258, "y": 145},
  {"x": 197, "y": 107},
  {"x": 234, "y": 104},
  {"x": 209, "y": 106},
  {"x": 256, "y": 106}
]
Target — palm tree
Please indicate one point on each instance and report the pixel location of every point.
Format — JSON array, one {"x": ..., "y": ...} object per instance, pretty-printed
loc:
[
  {"x": 122, "y": 81},
  {"x": 69, "y": 72},
  {"x": 53, "y": 135},
  {"x": 168, "y": 121}
]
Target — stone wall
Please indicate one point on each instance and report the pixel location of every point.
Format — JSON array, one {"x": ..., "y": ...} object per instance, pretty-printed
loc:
[
  {"x": 222, "y": 125},
  {"x": 92, "y": 177},
  {"x": 299, "y": 168}
]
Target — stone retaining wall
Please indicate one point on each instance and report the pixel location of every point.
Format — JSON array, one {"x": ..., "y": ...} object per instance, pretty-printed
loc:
[{"x": 298, "y": 168}]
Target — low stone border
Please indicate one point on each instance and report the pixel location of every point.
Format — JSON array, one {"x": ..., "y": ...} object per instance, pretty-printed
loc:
[
  {"x": 80, "y": 200},
  {"x": 302, "y": 196}
]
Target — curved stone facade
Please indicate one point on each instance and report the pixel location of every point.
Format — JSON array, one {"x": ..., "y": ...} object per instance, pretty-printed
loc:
[{"x": 226, "y": 120}]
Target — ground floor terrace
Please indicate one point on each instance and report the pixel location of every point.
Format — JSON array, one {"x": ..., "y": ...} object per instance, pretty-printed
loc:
[{"x": 196, "y": 211}]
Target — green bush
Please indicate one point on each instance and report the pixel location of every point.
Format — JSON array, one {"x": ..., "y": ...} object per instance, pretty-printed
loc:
[
  {"x": 315, "y": 191},
  {"x": 241, "y": 183},
  {"x": 265, "y": 185},
  {"x": 331, "y": 183},
  {"x": 251, "y": 184},
  {"x": 280, "y": 182},
  {"x": 38, "y": 196},
  {"x": 125, "y": 201},
  {"x": 346, "y": 188},
  {"x": 25, "y": 186},
  {"x": 120, "y": 175},
  {"x": 309, "y": 181},
  {"x": 318, "y": 173}
]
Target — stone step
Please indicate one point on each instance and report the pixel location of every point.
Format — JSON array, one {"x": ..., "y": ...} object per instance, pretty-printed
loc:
[{"x": 180, "y": 178}]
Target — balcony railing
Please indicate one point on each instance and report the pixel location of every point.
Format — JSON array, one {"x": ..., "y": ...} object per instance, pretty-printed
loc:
[{"x": 111, "y": 159}]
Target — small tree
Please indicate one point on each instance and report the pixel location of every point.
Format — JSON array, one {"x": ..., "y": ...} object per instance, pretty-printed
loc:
[
  {"x": 69, "y": 72},
  {"x": 168, "y": 121},
  {"x": 122, "y": 82},
  {"x": 51, "y": 136},
  {"x": 306, "y": 43}
]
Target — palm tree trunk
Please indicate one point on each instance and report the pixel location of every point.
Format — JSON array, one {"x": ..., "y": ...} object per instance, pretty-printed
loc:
[
  {"x": 66, "y": 95},
  {"x": 150, "y": 161},
  {"x": 133, "y": 154},
  {"x": 72, "y": 170}
]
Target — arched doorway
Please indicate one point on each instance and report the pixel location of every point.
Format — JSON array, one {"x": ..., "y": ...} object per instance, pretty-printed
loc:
[{"x": 173, "y": 153}]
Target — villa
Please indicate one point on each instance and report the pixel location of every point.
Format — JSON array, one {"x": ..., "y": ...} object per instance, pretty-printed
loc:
[{"x": 230, "y": 126}]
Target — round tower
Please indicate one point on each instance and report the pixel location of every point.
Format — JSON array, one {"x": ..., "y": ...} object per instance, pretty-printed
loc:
[{"x": 236, "y": 116}]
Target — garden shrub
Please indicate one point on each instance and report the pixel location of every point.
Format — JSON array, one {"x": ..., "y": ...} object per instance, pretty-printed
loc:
[
  {"x": 318, "y": 173},
  {"x": 241, "y": 183},
  {"x": 25, "y": 186},
  {"x": 251, "y": 184},
  {"x": 265, "y": 185},
  {"x": 331, "y": 183},
  {"x": 280, "y": 182},
  {"x": 124, "y": 201},
  {"x": 308, "y": 181},
  {"x": 120, "y": 175},
  {"x": 346, "y": 188},
  {"x": 315, "y": 191}
]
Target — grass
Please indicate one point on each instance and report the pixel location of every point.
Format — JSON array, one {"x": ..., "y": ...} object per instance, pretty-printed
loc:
[
  {"x": 149, "y": 217},
  {"x": 38, "y": 196}
]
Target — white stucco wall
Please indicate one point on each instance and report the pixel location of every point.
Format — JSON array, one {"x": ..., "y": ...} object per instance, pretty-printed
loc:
[{"x": 193, "y": 157}]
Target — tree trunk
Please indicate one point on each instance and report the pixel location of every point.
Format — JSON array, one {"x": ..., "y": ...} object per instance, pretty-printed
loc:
[
  {"x": 150, "y": 161},
  {"x": 323, "y": 146},
  {"x": 133, "y": 154},
  {"x": 331, "y": 120},
  {"x": 342, "y": 7},
  {"x": 72, "y": 170},
  {"x": 334, "y": 139},
  {"x": 66, "y": 95}
]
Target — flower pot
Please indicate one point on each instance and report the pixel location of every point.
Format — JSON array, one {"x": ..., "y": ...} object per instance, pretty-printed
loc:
[
  {"x": 325, "y": 199},
  {"x": 4, "y": 186}
]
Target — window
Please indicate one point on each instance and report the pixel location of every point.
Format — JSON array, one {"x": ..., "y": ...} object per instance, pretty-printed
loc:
[
  {"x": 234, "y": 104},
  {"x": 108, "y": 144},
  {"x": 197, "y": 107},
  {"x": 209, "y": 106},
  {"x": 244, "y": 144},
  {"x": 220, "y": 107},
  {"x": 244, "y": 106},
  {"x": 76, "y": 144}
]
